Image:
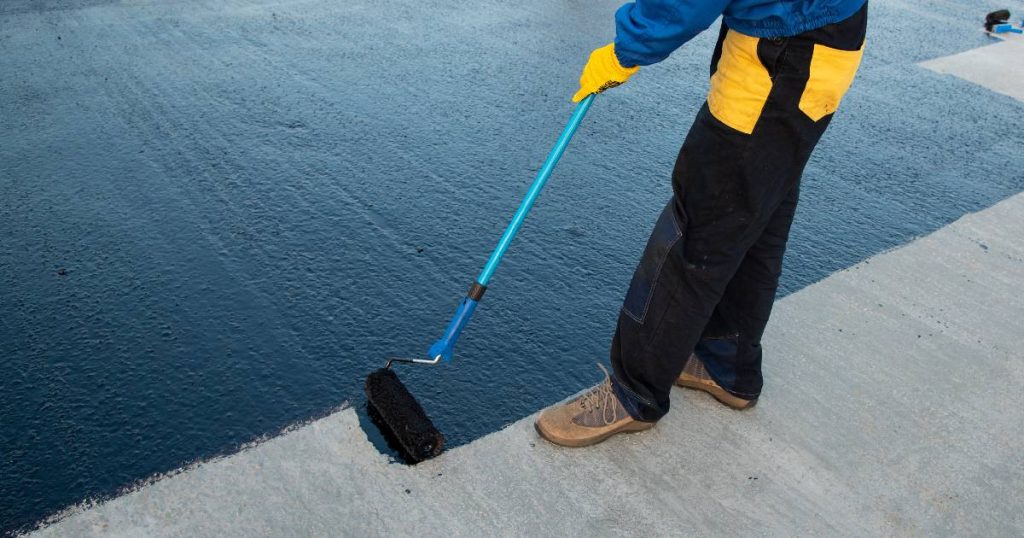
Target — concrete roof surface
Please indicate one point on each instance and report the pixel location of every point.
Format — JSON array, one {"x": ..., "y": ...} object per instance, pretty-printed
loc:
[
  {"x": 997, "y": 66},
  {"x": 892, "y": 407}
]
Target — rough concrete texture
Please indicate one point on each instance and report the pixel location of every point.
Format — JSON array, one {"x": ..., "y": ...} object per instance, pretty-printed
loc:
[
  {"x": 893, "y": 407},
  {"x": 996, "y": 67}
]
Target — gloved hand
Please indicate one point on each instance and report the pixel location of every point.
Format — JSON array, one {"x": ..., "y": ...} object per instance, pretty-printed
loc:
[{"x": 602, "y": 71}]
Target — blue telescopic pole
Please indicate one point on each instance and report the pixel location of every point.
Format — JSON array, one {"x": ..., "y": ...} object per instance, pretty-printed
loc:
[
  {"x": 443, "y": 348},
  {"x": 534, "y": 192}
]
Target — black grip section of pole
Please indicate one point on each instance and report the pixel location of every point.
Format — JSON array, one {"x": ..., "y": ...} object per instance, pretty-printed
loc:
[{"x": 476, "y": 291}]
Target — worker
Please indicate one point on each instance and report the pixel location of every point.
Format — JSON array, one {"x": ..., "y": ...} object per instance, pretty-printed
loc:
[{"x": 700, "y": 297}]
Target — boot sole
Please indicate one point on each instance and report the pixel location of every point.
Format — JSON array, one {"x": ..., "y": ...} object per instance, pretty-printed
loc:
[
  {"x": 718, "y": 393},
  {"x": 633, "y": 427}
]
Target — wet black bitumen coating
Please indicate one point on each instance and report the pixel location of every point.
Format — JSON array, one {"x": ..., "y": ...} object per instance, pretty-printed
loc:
[
  {"x": 401, "y": 416},
  {"x": 255, "y": 203}
]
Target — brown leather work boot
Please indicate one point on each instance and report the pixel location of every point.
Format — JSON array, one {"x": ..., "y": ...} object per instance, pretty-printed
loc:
[
  {"x": 589, "y": 419},
  {"x": 695, "y": 376}
]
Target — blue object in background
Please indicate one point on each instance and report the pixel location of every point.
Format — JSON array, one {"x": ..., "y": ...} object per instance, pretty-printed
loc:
[{"x": 1006, "y": 28}]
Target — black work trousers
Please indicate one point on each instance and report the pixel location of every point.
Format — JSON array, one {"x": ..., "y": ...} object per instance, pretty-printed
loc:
[{"x": 707, "y": 278}]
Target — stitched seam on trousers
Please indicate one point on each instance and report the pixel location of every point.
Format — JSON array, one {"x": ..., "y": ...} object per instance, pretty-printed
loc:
[
  {"x": 632, "y": 393},
  {"x": 657, "y": 273},
  {"x": 772, "y": 98},
  {"x": 647, "y": 345}
]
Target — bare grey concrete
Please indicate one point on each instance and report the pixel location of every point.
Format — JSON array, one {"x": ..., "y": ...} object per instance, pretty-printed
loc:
[
  {"x": 997, "y": 67},
  {"x": 892, "y": 407}
]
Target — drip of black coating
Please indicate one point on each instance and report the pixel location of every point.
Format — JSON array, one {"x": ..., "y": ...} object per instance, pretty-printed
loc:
[{"x": 401, "y": 416}]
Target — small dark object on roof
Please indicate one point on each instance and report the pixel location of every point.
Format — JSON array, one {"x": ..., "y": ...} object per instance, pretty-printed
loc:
[
  {"x": 403, "y": 416},
  {"x": 996, "y": 17}
]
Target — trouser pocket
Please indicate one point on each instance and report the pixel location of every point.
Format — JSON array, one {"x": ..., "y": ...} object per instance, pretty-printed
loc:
[
  {"x": 740, "y": 84},
  {"x": 831, "y": 74}
]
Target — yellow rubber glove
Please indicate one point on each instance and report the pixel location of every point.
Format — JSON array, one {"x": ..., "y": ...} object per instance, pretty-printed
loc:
[{"x": 602, "y": 71}]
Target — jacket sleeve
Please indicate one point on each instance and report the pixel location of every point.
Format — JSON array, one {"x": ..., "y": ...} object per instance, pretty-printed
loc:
[{"x": 647, "y": 31}]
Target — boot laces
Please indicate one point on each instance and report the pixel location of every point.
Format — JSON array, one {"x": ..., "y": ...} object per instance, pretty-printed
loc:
[{"x": 601, "y": 399}]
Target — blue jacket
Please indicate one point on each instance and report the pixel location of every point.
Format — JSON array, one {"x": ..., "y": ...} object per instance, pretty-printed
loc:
[{"x": 647, "y": 31}]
